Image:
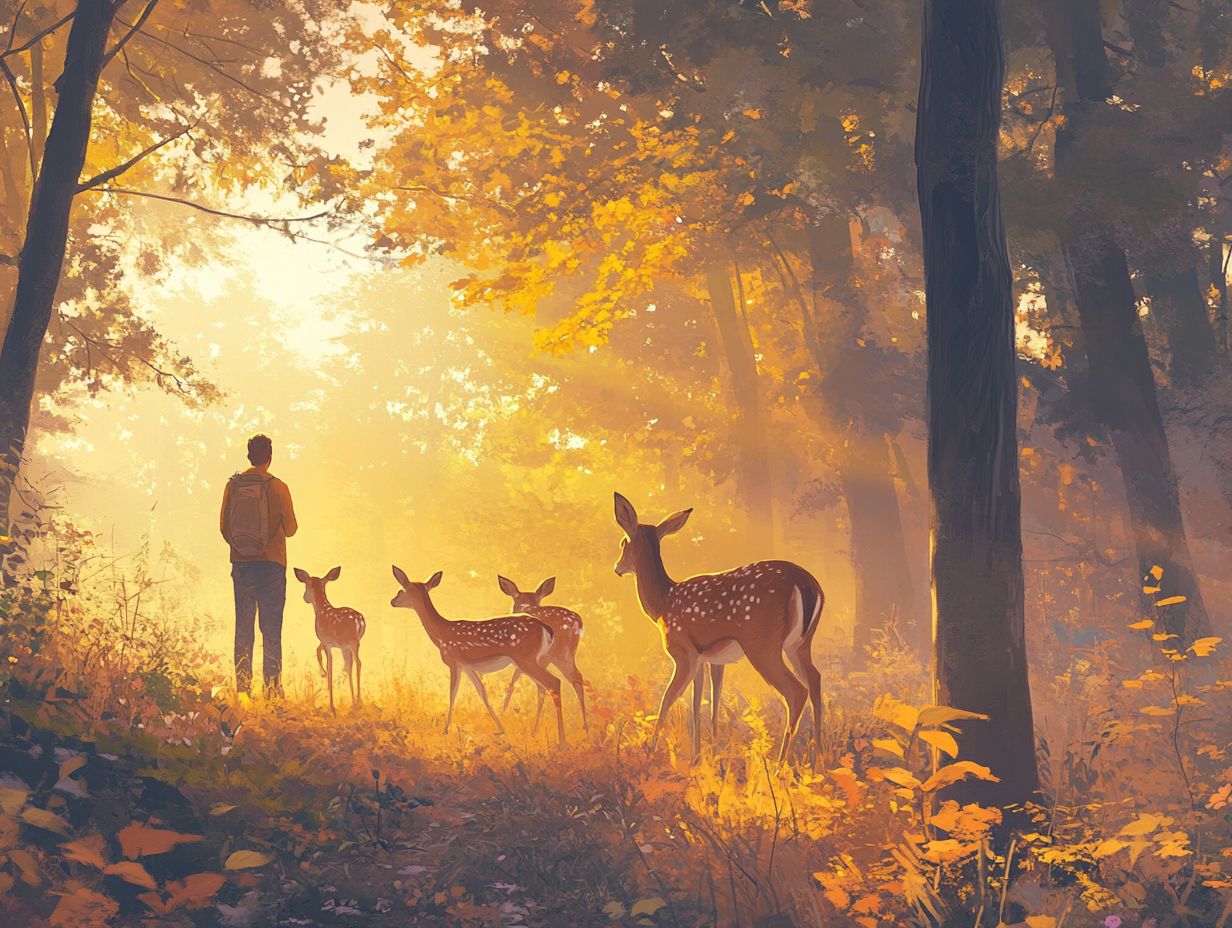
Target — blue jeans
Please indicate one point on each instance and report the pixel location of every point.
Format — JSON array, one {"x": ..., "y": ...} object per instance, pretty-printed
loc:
[{"x": 259, "y": 586}]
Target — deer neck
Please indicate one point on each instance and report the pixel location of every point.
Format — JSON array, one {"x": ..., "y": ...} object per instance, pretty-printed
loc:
[
  {"x": 653, "y": 583},
  {"x": 435, "y": 624},
  {"x": 321, "y": 606}
]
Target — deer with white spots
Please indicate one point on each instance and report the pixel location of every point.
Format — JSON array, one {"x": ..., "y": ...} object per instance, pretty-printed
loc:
[
  {"x": 566, "y": 626},
  {"x": 337, "y": 627},
  {"x": 761, "y": 611},
  {"x": 478, "y": 647}
]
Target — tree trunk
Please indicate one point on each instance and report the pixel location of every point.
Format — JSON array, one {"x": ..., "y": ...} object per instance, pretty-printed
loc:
[
  {"x": 1179, "y": 304},
  {"x": 1122, "y": 382},
  {"x": 1217, "y": 269},
  {"x": 42, "y": 255},
  {"x": 1123, "y": 393},
  {"x": 750, "y": 429},
  {"x": 979, "y": 638},
  {"x": 878, "y": 550}
]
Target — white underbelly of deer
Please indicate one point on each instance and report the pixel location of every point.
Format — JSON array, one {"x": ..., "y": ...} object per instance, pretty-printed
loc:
[
  {"x": 727, "y": 651},
  {"x": 489, "y": 665}
]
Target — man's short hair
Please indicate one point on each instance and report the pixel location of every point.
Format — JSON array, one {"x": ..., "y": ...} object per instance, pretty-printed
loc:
[{"x": 260, "y": 450}]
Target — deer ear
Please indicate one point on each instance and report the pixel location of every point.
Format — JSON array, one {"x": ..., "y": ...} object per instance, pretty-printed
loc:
[
  {"x": 400, "y": 576},
  {"x": 333, "y": 575},
  {"x": 508, "y": 587},
  {"x": 673, "y": 523},
  {"x": 434, "y": 580},
  {"x": 626, "y": 515},
  {"x": 301, "y": 575},
  {"x": 546, "y": 587}
]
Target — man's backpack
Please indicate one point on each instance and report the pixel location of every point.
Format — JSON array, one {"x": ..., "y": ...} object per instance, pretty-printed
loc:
[{"x": 248, "y": 514}]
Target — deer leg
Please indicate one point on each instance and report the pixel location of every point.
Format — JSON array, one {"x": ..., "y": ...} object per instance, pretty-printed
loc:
[
  {"x": 716, "y": 698},
  {"x": 348, "y": 664},
  {"x": 695, "y": 728},
  {"x": 548, "y": 682},
  {"x": 568, "y": 668},
  {"x": 321, "y": 649},
  {"x": 359, "y": 698},
  {"x": 774, "y": 671},
  {"x": 686, "y": 668},
  {"x": 483, "y": 696},
  {"x": 329, "y": 678},
  {"x": 806, "y": 670},
  {"x": 454, "y": 679},
  {"x": 513, "y": 681}
]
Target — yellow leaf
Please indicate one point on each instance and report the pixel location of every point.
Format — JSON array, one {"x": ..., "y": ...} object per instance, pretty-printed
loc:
[
  {"x": 1144, "y": 824},
  {"x": 1163, "y": 636},
  {"x": 959, "y": 770},
  {"x": 899, "y": 776},
  {"x": 1157, "y": 572},
  {"x": 1040, "y": 921},
  {"x": 941, "y": 740},
  {"x": 889, "y": 745},
  {"x": 896, "y": 712},
  {"x": 1141, "y": 626},
  {"x": 647, "y": 906},
  {"x": 1171, "y": 601},
  {"x": 1109, "y": 846},
  {"x": 1204, "y": 646},
  {"x": 1156, "y": 710},
  {"x": 933, "y": 716},
  {"x": 244, "y": 860}
]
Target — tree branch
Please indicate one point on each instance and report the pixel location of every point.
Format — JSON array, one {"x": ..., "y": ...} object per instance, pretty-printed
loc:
[
  {"x": 205, "y": 63},
  {"x": 121, "y": 168},
  {"x": 25, "y": 117},
  {"x": 132, "y": 31},
  {"x": 256, "y": 220},
  {"x": 35, "y": 39}
]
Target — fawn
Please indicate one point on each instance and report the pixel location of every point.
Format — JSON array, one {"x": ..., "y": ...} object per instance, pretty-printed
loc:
[
  {"x": 566, "y": 626},
  {"x": 479, "y": 647},
  {"x": 337, "y": 627}
]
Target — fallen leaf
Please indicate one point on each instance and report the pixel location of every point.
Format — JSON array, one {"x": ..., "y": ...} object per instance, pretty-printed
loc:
[
  {"x": 27, "y": 865},
  {"x": 132, "y": 872},
  {"x": 83, "y": 908},
  {"x": 647, "y": 906},
  {"x": 41, "y": 818},
  {"x": 12, "y": 799},
  {"x": 221, "y": 808},
  {"x": 87, "y": 851},
  {"x": 244, "y": 860},
  {"x": 138, "y": 840}
]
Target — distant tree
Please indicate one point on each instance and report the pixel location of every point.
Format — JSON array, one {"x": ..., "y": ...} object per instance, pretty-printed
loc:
[
  {"x": 199, "y": 99},
  {"x": 979, "y": 638}
]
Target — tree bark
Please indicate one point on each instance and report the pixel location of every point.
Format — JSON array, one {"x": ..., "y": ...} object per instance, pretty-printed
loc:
[
  {"x": 756, "y": 485},
  {"x": 979, "y": 637},
  {"x": 42, "y": 254},
  {"x": 878, "y": 550},
  {"x": 1122, "y": 382},
  {"x": 1179, "y": 304}
]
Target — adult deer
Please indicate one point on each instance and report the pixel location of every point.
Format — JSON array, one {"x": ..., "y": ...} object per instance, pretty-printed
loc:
[
  {"x": 759, "y": 611},
  {"x": 337, "y": 627},
  {"x": 479, "y": 647},
  {"x": 566, "y": 626}
]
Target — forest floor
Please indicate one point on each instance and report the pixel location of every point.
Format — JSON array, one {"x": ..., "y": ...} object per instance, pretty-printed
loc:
[{"x": 155, "y": 798}]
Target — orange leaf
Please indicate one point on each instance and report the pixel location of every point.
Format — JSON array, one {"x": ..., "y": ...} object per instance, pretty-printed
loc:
[
  {"x": 131, "y": 872},
  {"x": 87, "y": 851},
  {"x": 137, "y": 840}
]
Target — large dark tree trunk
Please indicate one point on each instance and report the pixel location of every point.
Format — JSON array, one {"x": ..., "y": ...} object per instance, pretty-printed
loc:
[
  {"x": 979, "y": 640},
  {"x": 42, "y": 255},
  {"x": 878, "y": 551},
  {"x": 1123, "y": 384},
  {"x": 756, "y": 485},
  {"x": 1179, "y": 303}
]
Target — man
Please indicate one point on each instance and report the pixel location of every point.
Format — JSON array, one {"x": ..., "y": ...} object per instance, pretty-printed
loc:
[{"x": 257, "y": 519}]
